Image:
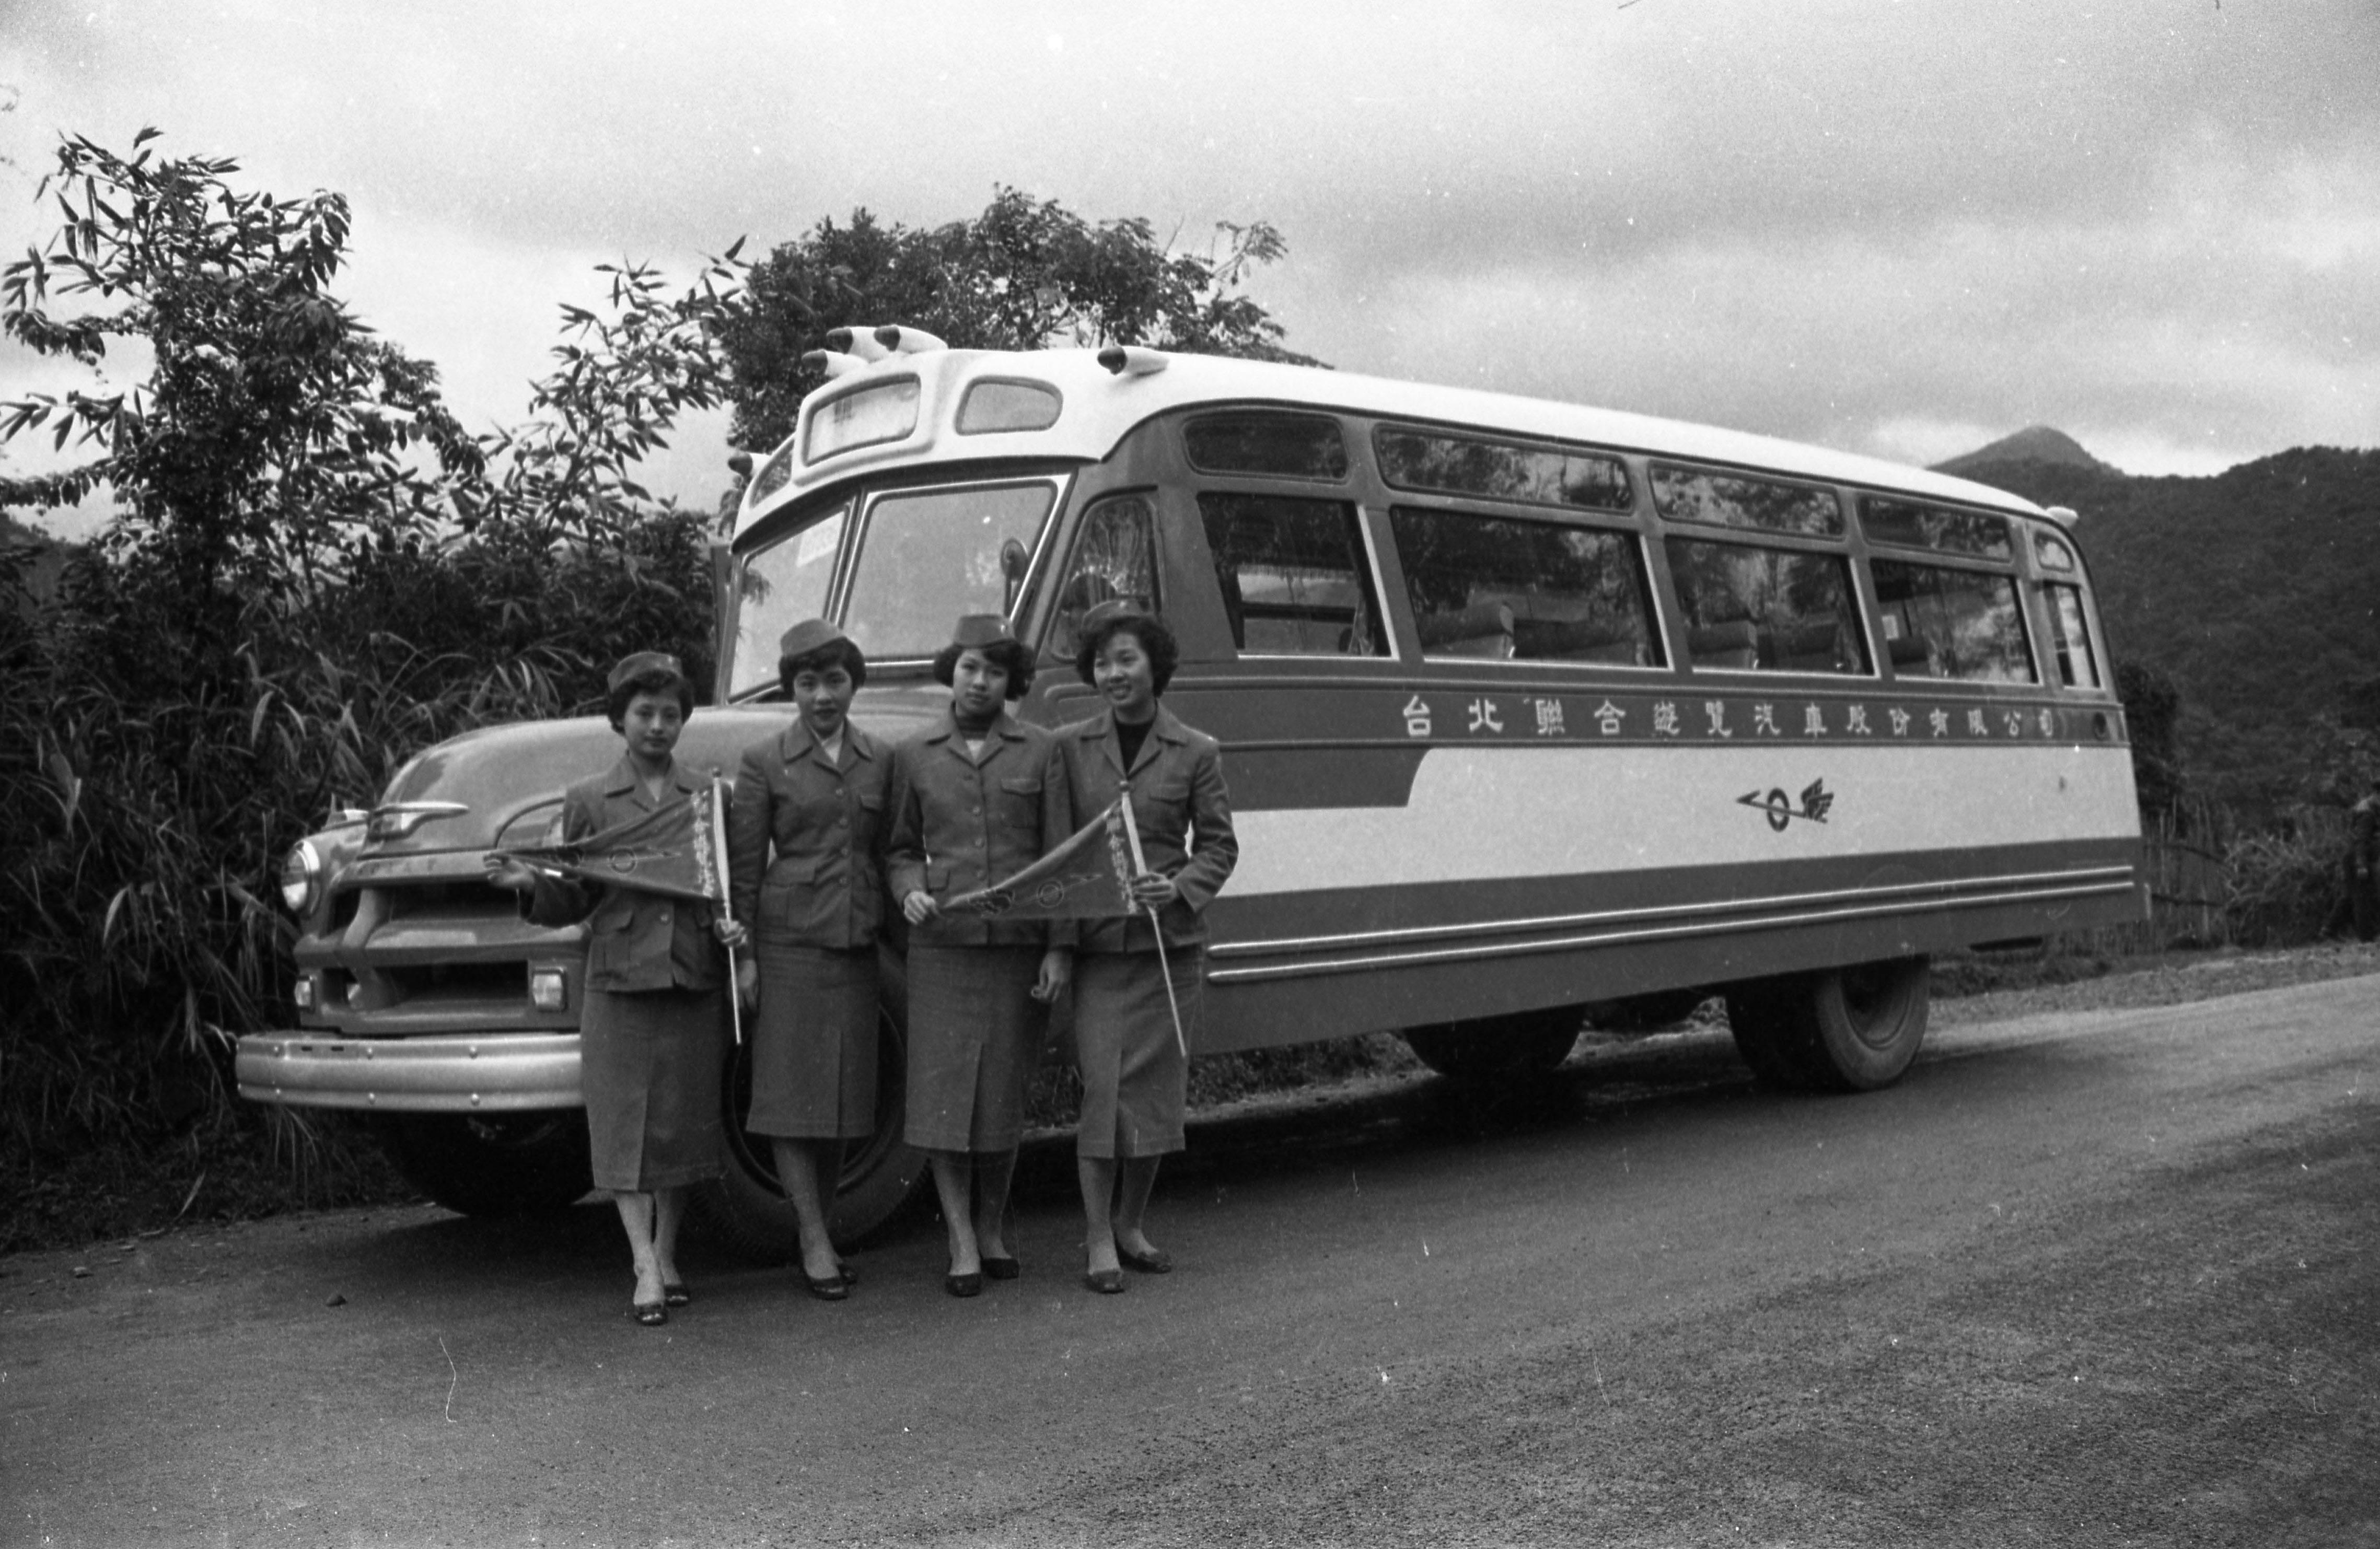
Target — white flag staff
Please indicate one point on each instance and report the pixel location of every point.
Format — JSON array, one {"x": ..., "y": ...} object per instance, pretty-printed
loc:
[
  {"x": 1165, "y": 969},
  {"x": 726, "y": 898}
]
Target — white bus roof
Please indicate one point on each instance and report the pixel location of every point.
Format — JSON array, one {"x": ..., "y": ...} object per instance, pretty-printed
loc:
[{"x": 1101, "y": 405}]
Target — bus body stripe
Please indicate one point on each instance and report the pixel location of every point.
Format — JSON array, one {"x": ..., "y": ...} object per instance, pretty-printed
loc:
[
  {"x": 1481, "y": 814},
  {"x": 1621, "y": 934},
  {"x": 1989, "y": 890}
]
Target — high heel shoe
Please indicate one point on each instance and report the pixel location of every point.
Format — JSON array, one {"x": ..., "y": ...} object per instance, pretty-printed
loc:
[
  {"x": 964, "y": 1284},
  {"x": 676, "y": 1295},
  {"x": 652, "y": 1314},
  {"x": 1107, "y": 1282},
  {"x": 1157, "y": 1261},
  {"x": 1000, "y": 1268},
  {"x": 835, "y": 1288}
]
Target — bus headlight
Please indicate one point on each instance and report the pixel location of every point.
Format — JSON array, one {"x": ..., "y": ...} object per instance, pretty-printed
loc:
[
  {"x": 301, "y": 876},
  {"x": 546, "y": 989}
]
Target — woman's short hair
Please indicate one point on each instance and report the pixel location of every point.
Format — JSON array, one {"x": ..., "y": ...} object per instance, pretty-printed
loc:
[
  {"x": 1147, "y": 628},
  {"x": 1009, "y": 654},
  {"x": 837, "y": 652},
  {"x": 650, "y": 680}
]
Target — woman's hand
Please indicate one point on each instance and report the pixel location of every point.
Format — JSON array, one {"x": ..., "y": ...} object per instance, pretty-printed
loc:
[
  {"x": 731, "y": 933},
  {"x": 508, "y": 872},
  {"x": 1154, "y": 890},
  {"x": 918, "y": 906},
  {"x": 747, "y": 983},
  {"x": 1057, "y": 972}
]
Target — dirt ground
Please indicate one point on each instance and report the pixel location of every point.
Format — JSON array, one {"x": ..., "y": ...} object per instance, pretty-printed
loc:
[{"x": 2096, "y": 1273}]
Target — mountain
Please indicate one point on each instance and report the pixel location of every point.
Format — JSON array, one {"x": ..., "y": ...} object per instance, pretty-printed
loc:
[
  {"x": 2035, "y": 444},
  {"x": 2256, "y": 589}
]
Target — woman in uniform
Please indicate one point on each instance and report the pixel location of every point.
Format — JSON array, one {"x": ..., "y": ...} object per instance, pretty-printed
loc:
[
  {"x": 1133, "y": 1071},
  {"x": 978, "y": 798},
  {"x": 650, "y": 1040},
  {"x": 806, "y": 849}
]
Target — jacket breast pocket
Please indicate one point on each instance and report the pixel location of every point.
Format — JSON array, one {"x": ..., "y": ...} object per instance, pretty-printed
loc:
[
  {"x": 1164, "y": 805},
  {"x": 1019, "y": 802}
]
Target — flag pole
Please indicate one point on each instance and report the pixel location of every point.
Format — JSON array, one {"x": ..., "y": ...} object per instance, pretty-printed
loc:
[
  {"x": 726, "y": 900},
  {"x": 1164, "y": 967}
]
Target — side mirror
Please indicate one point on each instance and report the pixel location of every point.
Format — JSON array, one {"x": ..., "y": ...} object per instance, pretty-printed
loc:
[{"x": 1013, "y": 561}]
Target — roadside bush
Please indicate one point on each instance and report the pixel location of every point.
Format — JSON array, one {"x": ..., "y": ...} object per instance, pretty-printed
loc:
[
  {"x": 312, "y": 573},
  {"x": 2283, "y": 886}
]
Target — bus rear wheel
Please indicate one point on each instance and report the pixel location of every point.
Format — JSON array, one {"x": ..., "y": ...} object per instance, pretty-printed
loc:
[
  {"x": 1498, "y": 1049},
  {"x": 745, "y": 1207},
  {"x": 1760, "y": 1018},
  {"x": 496, "y": 1164},
  {"x": 1851, "y": 1029}
]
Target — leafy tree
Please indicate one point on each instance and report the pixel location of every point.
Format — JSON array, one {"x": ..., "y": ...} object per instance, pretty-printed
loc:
[
  {"x": 274, "y": 430},
  {"x": 1024, "y": 274},
  {"x": 312, "y": 573},
  {"x": 620, "y": 379},
  {"x": 2153, "y": 706}
]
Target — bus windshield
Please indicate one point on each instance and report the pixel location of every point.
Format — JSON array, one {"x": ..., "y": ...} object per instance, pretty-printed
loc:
[
  {"x": 926, "y": 556},
  {"x": 777, "y": 588}
]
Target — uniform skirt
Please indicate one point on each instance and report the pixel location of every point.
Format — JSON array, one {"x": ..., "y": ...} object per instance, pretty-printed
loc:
[
  {"x": 1134, "y": 1075},
  {"x": 649, "y": 1067},
  {"x": 974, "y": 1035},
  {"x": 814, "y": 1044}
]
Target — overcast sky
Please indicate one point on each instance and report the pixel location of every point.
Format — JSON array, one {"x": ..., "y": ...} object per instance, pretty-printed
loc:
[{"x": 1899, "y": 228}]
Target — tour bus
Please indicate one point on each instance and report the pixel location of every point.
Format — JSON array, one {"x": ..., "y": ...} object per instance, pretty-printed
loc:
[{"x": 1530, "y": 712}]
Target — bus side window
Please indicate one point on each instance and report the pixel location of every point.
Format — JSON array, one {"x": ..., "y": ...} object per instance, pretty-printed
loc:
[
  {"x": 1767, "y": 609},
  {"x": 1940, "y": 622},
  {"x": 2077, "y": 668},
  {"x": 1292, "y": 574},
  {"x": 1115, "y": 556},
  {"x": 1503, "y": 589}
]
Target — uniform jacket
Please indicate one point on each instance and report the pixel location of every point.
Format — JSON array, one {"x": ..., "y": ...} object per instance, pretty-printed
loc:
[
  {"x": 805, "y": 840},
  {"x": 635, "y": 940},
  {"x": 1182, "y": 808},
  {"x": 958, "y": 825}
]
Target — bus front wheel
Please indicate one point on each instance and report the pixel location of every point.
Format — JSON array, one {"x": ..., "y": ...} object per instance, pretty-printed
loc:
[
  {"x": 1851, "y": 1029},
  {"x": 878, "y": 1175},
  {"x": 1496, "y": 1048}
]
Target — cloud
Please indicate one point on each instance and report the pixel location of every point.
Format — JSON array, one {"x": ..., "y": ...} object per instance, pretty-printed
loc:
[{"x": 1842, "y": 220}]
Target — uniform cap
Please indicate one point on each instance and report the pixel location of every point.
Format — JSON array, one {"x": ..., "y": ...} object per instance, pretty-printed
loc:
[
  {"x": 807, "y": 636},
  {"x": 976, "y": 631},
  {"x": 1115, "y": 609},
  {"x": 641, "y": 663}
]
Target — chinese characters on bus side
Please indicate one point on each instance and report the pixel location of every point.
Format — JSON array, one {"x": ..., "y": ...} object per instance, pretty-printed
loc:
[{"x": 1499, "y": 716}]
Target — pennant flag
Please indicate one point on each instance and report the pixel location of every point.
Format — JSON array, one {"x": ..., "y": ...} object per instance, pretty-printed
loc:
[
  {"x": 1085, "y": 878},
  {"x": 673, "y": 849}
]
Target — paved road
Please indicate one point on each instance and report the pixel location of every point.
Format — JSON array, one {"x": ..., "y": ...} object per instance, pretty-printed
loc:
[{"x": 2097, "y": 1277}]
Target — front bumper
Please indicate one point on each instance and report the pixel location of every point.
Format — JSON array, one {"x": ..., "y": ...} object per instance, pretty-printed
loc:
[{"x": 502, "y": 1073}]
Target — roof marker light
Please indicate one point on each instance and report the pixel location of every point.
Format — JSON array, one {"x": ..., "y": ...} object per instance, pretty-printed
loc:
[
  {"x": 1131, "y": 360},
  {"x": 860, "y": 341},
  {"x": 834, "y": 363},
  {"x": 2064, "y": 515},
  {"x": 907, "y": 341}
]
